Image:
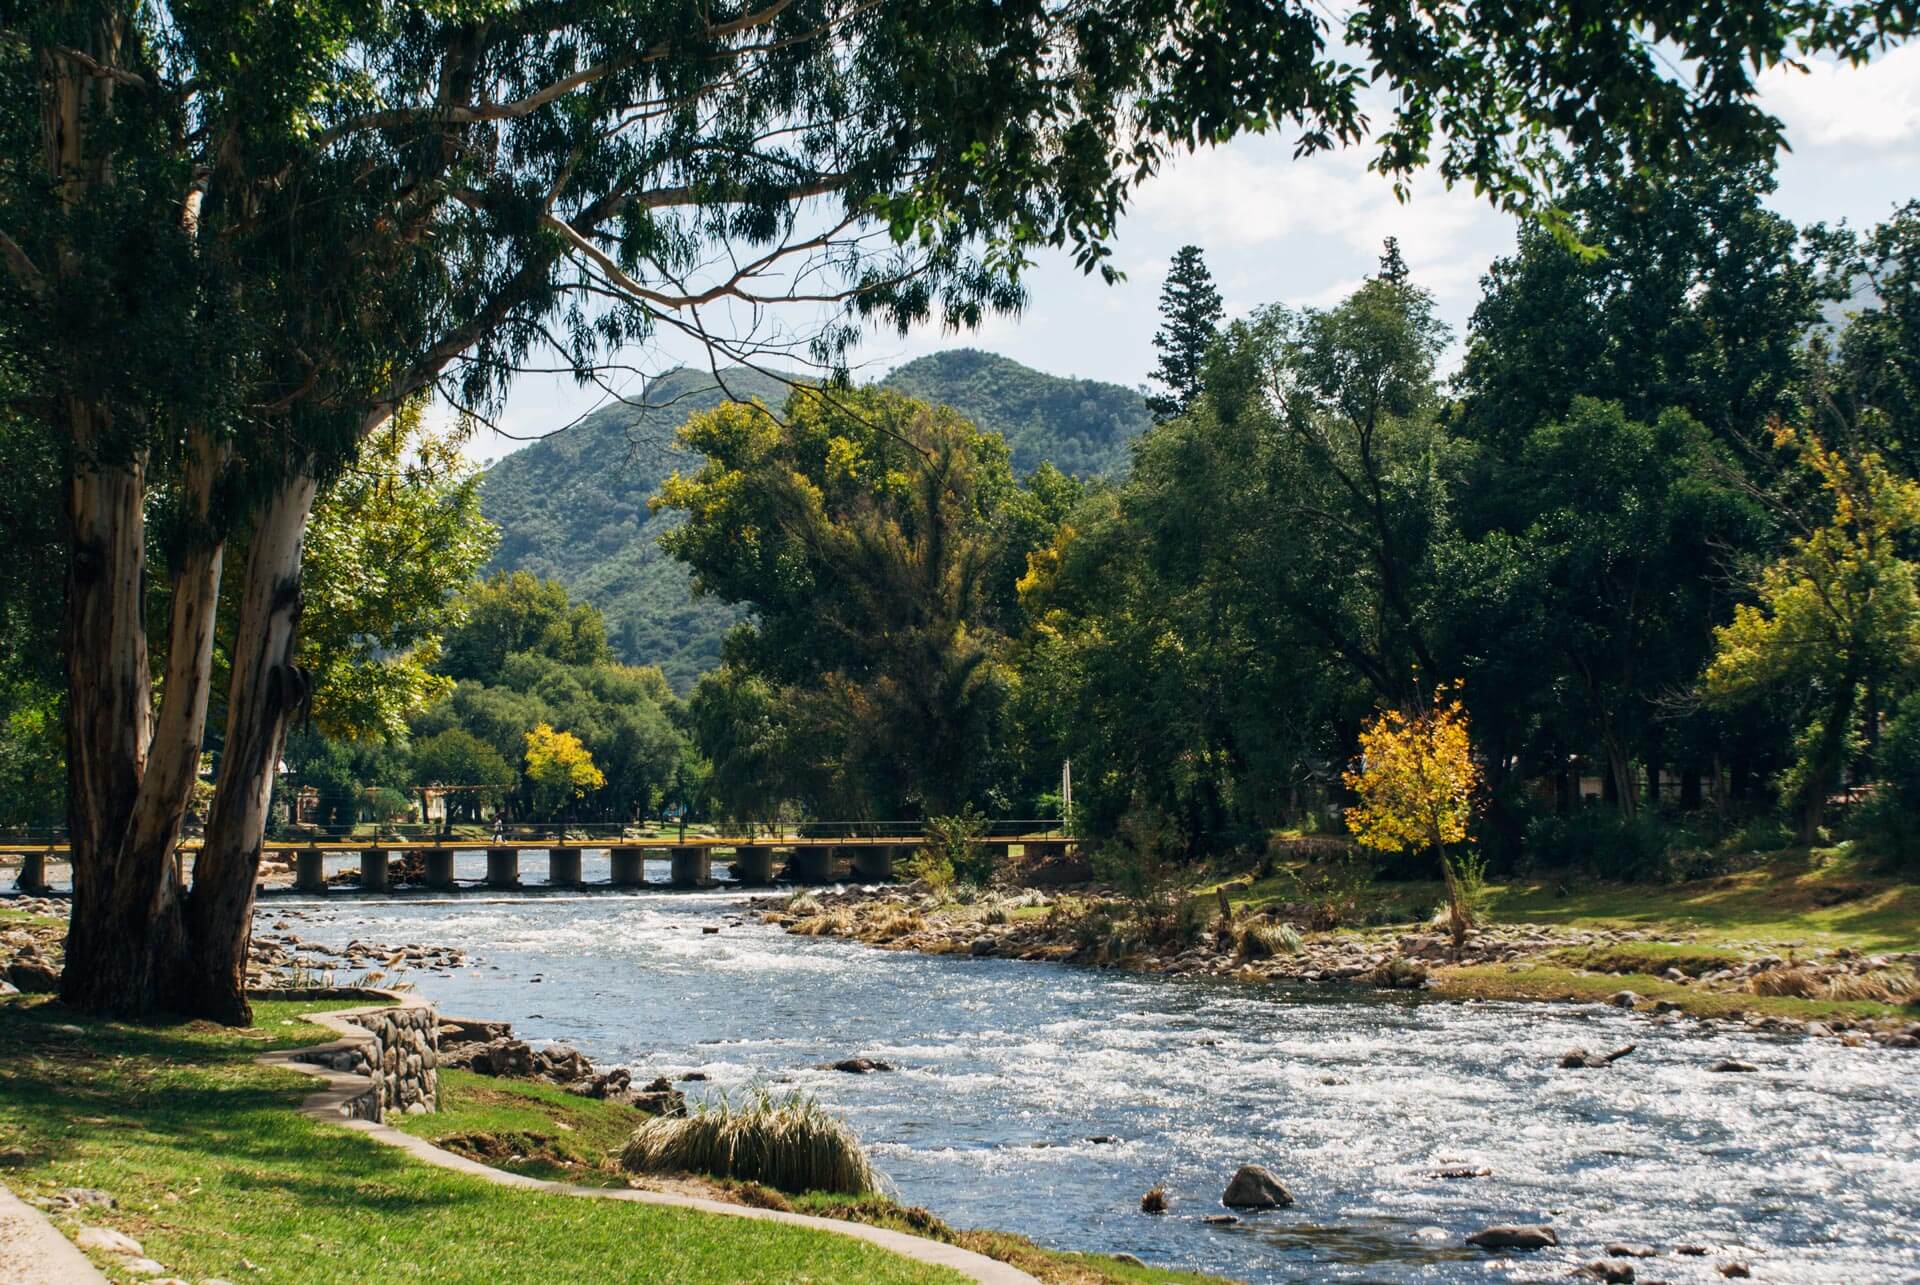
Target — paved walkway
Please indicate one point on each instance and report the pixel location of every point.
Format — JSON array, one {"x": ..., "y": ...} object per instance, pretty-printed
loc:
[
  {"x": 342, "y": 1088},
  {"x": 32, "y": 1252}
]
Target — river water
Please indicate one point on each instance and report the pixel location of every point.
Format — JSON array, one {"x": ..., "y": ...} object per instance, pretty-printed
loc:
[{"x": 1808, "y": 1170}]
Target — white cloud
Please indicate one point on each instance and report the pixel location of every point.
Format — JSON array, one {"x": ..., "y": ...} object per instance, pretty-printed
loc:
[
  {"x": 1255, "y": 194},
  {"x": 1834, "y": 105}
]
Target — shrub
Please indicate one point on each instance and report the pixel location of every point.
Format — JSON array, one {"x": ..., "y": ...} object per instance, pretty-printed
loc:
[
  {"x": 791, "y": 1144},
  {"x": 932, "y": 868},
  {"x": 955, "y": 838}
]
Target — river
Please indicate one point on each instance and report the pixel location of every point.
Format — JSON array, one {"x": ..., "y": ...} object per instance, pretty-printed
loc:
[{"x": 1809, "y": 1169}]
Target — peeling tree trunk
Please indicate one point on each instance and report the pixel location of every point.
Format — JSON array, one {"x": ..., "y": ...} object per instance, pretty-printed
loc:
[
  {"x": 266, "y": 690},
  {"x": 131, "y": 775}
]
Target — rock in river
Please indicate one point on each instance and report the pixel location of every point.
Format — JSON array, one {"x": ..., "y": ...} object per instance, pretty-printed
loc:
[
  {"x": 1254, "y": 1188},
  {"x": 1511, "y": 1236},
  {"x": 856, "y": 1065},
  {"x": 1607, "y": 1269},
  {"x": 1732, "y": 1064}
]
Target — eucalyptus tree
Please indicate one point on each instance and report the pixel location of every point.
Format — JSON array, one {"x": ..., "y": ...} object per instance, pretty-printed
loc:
[{"x": 237, "y": 237}]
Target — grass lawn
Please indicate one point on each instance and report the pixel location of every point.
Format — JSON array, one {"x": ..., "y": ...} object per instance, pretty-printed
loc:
[
  {"x": 1824, "y": 898},
  {"x": 1827, "y": 897},
  {"x": 217, "y": 1176},
  {"x": 530, "y": 1128}
]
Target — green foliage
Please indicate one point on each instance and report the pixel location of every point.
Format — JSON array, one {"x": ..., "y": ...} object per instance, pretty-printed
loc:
[
  {"x": 514, "y": 613},
  {"x": 573, "y": 507},
  {"x": 389, "y": 544},
  {"x": 1190, "y": 312},
  {"x": 1893, "y": 814},
  {"x": 1603, "y": 843},
  {"x": 875, "y": 539},
  {"x": 954, "y": 842}
]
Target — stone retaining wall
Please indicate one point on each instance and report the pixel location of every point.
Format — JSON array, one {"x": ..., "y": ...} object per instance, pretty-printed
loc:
[
  {"x": 408, "y": 1076},
  {"x": 399, "y": 1054}
]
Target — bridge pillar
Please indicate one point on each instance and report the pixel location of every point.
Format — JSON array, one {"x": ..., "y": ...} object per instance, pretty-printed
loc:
[
  {"x": 374, "y": 875},
  {"x": 873, "y": 862},
  {"x": 503, "y": 867},
  {"x": 33, "y": 872},
  {"x": 753, "y": 864},
  {"x": 692, "y": 867},
  {"x": 439, "y": 863},
  {"x": 563, "y": 867},
  {"x": 310, "y": 870},
  {"x": 629, "y": 867},
  {"x": 811, "y": 863}
]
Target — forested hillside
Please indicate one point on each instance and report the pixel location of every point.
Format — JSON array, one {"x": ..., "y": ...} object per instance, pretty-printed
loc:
[
  {"x": 1080, "y": 426},
  {"x": 574, "y": 507}
]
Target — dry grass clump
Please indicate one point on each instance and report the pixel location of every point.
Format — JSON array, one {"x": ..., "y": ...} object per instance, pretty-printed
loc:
[
  {"x": 1265, "y": 939},
  {"x": 802, "y": 904},
  {"x": 1882, "y": 985},
  {"x": 1791, "y": 982},
  {"x": 901, "y": 923},
  {"x": 791, "y": 1144},
  {"x": 838, "y": 922}
]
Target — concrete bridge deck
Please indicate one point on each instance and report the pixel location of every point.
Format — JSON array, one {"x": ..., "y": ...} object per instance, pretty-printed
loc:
[{"x": 808, "y": 860}]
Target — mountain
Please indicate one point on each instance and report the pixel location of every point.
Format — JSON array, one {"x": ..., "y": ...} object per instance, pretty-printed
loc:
[
  {"x": 573, "y": 507},
  {"x": 1080, "y": 426}
]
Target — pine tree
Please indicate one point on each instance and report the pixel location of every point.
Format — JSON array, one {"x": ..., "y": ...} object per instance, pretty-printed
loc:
[
  {"x": 1393, "y": 268},
  {"x": 1190, "y": 311}
]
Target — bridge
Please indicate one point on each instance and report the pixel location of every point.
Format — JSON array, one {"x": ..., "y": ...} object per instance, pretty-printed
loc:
[{"x": 809, "y": 857}]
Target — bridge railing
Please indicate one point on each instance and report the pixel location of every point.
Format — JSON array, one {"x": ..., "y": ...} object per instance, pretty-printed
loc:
[{"x": 587, "y": 833}]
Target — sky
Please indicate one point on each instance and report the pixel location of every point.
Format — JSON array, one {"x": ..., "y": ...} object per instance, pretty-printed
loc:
[{"x": 1305, "y": 232}]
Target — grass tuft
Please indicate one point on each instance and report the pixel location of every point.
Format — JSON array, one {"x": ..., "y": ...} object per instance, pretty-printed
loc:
[
  {"x": 790, "y": 1144},
  {"x": 1264, "y": 939}
]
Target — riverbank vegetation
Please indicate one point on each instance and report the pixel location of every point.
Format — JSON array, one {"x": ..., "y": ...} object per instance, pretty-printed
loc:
[{"x": 174, "y": 1137}]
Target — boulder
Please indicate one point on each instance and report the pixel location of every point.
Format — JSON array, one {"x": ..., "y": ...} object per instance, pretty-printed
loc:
[
  {"x": 505, "y": 1057},
  {"x": 1623, "y": 999},
  {"x": 106, "y": 1240},
  {"x": 1610, "y": 1270},
  {"x": 660, "y": 1098},
  {"x": 1514, "y": 1236},
  {"x": 33, "y": 976},
  {"x": 982, "y": 946},
  {"x": 1579, "y": 1058},
  {"x": 1253, "y": 1187},
  {"x": 472, "y": 1030},
  {"x": 856, "y": 1065},
  {"x": 1631, "y": 1249},
  {"x": 1732, "y": 1065},
  {"x": 561, "y": 1064},
  {"x": 1736, "y": 1270},
  {"x": 607, "y": 1084}
]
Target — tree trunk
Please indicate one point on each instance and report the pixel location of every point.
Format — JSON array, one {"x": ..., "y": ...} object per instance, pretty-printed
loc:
[
  {"x": 266, "y": 690},
  {"x": 131, "y": 775},
  {"x": 1828, "y": 758},
  {"x": 1619, "y": 772}
]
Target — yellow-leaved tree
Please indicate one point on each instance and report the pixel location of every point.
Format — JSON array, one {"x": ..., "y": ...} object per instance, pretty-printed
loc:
[
  {"x": 1416, "y": 784},
  {"x": 560, "y": 767},
  {"x": 1838, "y": 615}
]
